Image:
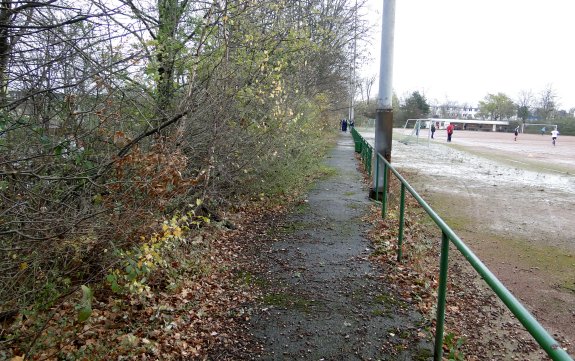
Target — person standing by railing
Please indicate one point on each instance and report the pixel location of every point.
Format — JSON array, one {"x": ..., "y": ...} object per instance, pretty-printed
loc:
[{"x": 344, "y": 125}]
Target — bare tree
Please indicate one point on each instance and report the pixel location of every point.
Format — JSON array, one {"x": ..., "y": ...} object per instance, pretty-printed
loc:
[
  {"x": 547, "y": 103},
  {"x": 365, "y": 86},
  {"x": 525, "y": 101},
  {"x": 448, "y": 109}
]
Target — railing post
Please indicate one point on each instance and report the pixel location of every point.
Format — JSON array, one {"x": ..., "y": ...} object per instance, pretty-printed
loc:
[
  {"x": 369, "y": 161},
  {"x": 401, "y": 222},
  {"x": 364, "y": 154},
  {"x": 384, "y": 191},
  {"x": 376, "y": 176},
  {"x": 441, "y": 296}
]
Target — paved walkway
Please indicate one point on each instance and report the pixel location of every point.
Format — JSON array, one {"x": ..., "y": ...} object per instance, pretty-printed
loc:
[{"x": 324, "y": 298}]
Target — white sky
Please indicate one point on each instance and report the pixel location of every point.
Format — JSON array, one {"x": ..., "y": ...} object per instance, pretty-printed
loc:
[{"x": 462, "y": 50}]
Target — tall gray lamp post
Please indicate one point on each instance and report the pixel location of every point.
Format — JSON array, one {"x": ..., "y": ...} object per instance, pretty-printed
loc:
[{"x": 384, "y": 117}]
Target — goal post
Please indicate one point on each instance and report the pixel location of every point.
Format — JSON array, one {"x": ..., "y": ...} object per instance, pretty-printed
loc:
[
  {"x": 536, "y": 128},
  {"x": 412, "y": 130}
]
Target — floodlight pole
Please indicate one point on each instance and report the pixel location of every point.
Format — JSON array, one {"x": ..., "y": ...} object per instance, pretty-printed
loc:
[
  {"x": 352, "y": 81},
  {"x": 384, "y": 115}
]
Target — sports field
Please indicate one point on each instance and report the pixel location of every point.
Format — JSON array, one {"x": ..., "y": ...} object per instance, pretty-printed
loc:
[
  {"x": 528, "y": 149},
  {"x": 512, "y": 202}
]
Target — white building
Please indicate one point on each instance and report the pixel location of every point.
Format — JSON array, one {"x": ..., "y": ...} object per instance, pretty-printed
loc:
[{"x": 454, "y": 112}]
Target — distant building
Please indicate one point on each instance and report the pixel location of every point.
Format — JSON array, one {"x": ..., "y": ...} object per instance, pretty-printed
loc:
[
  {"x": 454, "y": 112},
  {"x": 469, "y": 113}
]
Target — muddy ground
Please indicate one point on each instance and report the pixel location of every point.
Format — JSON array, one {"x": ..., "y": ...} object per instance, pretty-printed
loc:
[{"x": 513, "y": 203}]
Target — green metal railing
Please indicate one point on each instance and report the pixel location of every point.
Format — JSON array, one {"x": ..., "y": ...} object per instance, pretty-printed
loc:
[
  {"x": 540, "y": 335},
  {"x": 364, "y": 148}
]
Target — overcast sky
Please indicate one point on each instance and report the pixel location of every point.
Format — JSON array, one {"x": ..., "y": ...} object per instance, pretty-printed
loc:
[{"x": 462, "y": 50}]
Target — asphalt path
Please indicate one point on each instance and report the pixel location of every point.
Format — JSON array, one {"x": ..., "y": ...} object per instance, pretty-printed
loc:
[{"x": 324, "y": 299}]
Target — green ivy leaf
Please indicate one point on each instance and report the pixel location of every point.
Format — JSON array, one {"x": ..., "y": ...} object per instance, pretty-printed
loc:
[
  {"x": 58, "y": 150},
  {"x": 85, "y": 305}
]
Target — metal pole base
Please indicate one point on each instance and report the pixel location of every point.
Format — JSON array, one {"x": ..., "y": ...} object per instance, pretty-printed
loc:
[{"x": 372, "y": 194}]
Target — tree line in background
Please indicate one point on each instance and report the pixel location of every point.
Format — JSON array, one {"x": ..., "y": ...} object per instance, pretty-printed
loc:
[
  {"x": 526, "y": 108},
  {"x": 116, "y": 113}
]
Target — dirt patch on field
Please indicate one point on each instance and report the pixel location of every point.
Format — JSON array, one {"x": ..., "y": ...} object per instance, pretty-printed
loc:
[{"x": 513, "y": 203}]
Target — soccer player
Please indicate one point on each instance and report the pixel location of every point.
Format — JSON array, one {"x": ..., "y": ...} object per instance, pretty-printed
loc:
[{"x": 554, "y": 134}]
